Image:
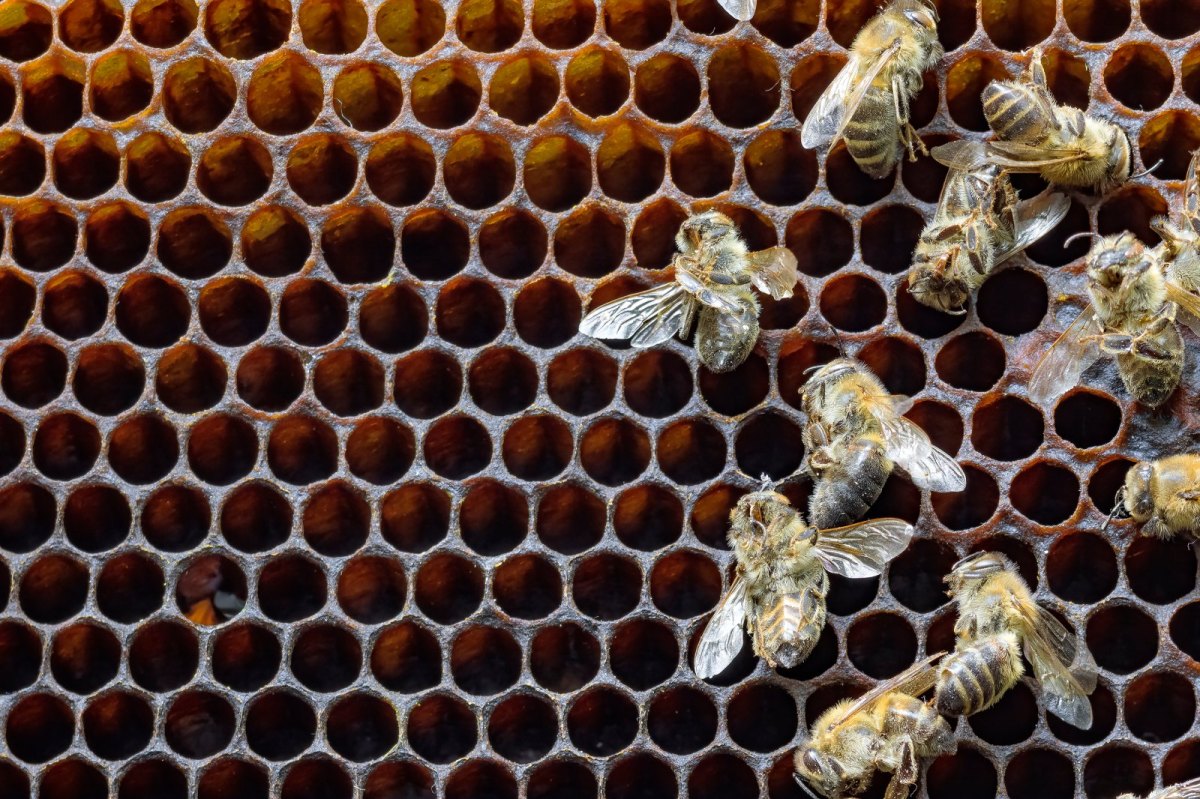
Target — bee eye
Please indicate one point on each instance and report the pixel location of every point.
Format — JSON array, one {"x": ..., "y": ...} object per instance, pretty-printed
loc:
[{"x": 812, "y": 762}]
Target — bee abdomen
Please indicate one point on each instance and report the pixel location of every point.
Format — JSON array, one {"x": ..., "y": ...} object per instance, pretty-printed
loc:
[
  {"x": 847, "y": 490},
  {"x": 871, "y": 134},
  {"x": 1011, "y": 112},
  {"x": 1151, "y": 380},
  {"x": 974, "y": 678},
  {"x": 789, "y": 629}
]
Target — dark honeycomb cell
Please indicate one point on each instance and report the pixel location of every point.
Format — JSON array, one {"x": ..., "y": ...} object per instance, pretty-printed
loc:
[
  {"x": 643, "y": 654},
  {"x": 73, "y": 778},
  {"x": 1116, "y": 769},
  {"x": 441, "y": 728},
  {"x": 1122, "y": 638},
  {"x": 1169, "y": 137},
  {"x": 163, "y": 656},
  {"x": 881, "y": 644},
  {"x": 682, "y": 720},
  {"x": 667, "y": 88},
  {"x": 484, "y": 660},
  {"x": 245, "y": 657},
  {"x": 414, "y": 517},
  {"x": 1040, "y": 773},
  {"x": 21, "y": 656},
  {"x": 325, "y": 658},
  {"x": 117, "y": 725},
  {"x": 564, "y": 657},
  {"x": 284, "y": 94},
  {"x": 853, "y": 303},
  {"x": 606, "y": 586},
  {"x": 279, "y": 725},
  {"x": 1096, "y": 21},
  {"x": 317, "y": 778},
  {"x": 971, "y": 508},
  {"x": 163, "y": 23},
  {"x": 336, "y": 520},
  {"x": 1081, "y": 567},
  {"x": 524, "y": 90},
  {"x": 116, "y": 237},
  {"x": 39, "y": 728},
  {"x": 1045, "y": 492},
  {"x": 362, "y": 727},
  {"x": 406, "y": 659},
  {"x": 523, "y": 728},
  {"x": 27, "y": 30},
  {"x": 290, "y": 588},
  {"x": 153, "y": 777},
  {"x": 762, "y": 717},
  {"x": 83, "y": 657},
  {"x": 602, "y": 722},
  {"x": 52, "y": 93},
  {"x": 1006, "y": 428},
  {"x": 130, "y": 588},
  {"x": 527, "y": 587}
]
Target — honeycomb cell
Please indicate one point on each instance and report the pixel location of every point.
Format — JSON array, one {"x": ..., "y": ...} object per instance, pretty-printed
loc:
[
  {"x": 302, "y": 449},
  {"x": 336, "y": 520},
  {"x": 26, "y": 30},
  {"x": 414, "y": 517},
  {"x": 199, "y": 724},
  {"x": 1139, "y": 76},
  {"x": 33, "y": 374},
  {"x": 653, "y": 236},
  {"x": 778, "y": 168},
  {"x": 285, "y": 94},
  {"x": 245, "y": 657},
  {"x": 898, "y": 364},
  {"x": 457, "y": 447},
  {"x": 156, "y": 167},
  {"x": 317, "y": 778},
  {"x": 849, "y": 184},
  {"x": 493, "y": 519},
  {"x": 22, "y": 164},
  {"x": 743, "y": 86},
  {"x": 971, "y": 508},
  {"x": 657, "y": 384},
  {"x": 485, "y": 660},
  {"x": 702, "y": 164},
  {"x": 175, "y": 518},
  {"x": 1087, "y": 419},
  {"x": 279, "y": 725},
  {"x": 312, "y": 313},
  {"x": 1160, "y": 707},
  {"x": 121, "y": 85},
  {"x": 410, "y": 27},
  {"x": 43, "y": 235},
  {"x": 769, "y": 444},
  {"x": 1160, "y": 571},
  {"x": 738, "y": 391},
  {"x": 1171, "y": 20},
  {"x": 380, "y": 450},
  {"x": 434, "y": 245},
  {"x": 1096, "y": 21},
  {"x": 513, "y": 243},
  {"x": 881, "y": 644},
  {"x": 889, "y": 235},
  {"x": 523, "y": 728},
  {"x": 325, "y": 658},
  {"x": 96, "y": 518},
  {"x": 524, "y": 89},
  {"x": 116, "y": 237},
  {"x": 234, "y": 170},
  {"x": 1081, "y": 567},
  {"x": 333, "y": 27},
  {"x": 291, "y": 588},
  {"x": 972, "y": 362},
  {"x": 442, "y": 729},
  {"x": 685, "y": 584},
  {"x": 245, "y": 29},
  {"x": 163, "y": 23},
  {"x": 12, "y": 443},
  {"x": 322, "y": 169},
  {"x": 478, "y": 170},
  {"x": 428, "y": 383},
  {"x": 1122, "y": 638},
  {"x": 597, "y": 82},
  {"x": 682, "y": 720},
  {"x": 362, "y": 727},
  {"x": 153, "y": 778},
  {"x": 367, "y": 97},
  {"x": 1132, "y": 209},
  {"x": 73, "y": 778},
  {"x": 921, "y": 320},
  {"x": 393, "y": 318},
  {"x": 602, "y": 722},
  {"x": 965, "y": 82},
  {"x": 822, "y": 241},
  {"x": 65, "y": 446},
  {"x": 606, "y": 586},
  {"x": 190, "y": 378},
  {"x": 502, "y": 381},
  {"x": 1019, "y": 26},
  {"x": 853, "y": 303},
  {"x": 194, "y": 243},
  {"x": 197, "y": 95},
  {"x": 643, "y": 654},
  {"x": 691, "y": 451},
  {"x": 85, "y": 163},
  {"x": 1040, "y": 773},
  {"x": 557, "y": 175},
  {"x": 527, "y": 587},
  {"x": 648, "y": 517},
  {"x": 564, "y": 658},
  {"x": 163, "y": 656},
  {"x": 348, "y": 383},
  {"x": 570, "y": 519},
  {"x": 1045, "y": 492},
  {"x": 21, "y": 656},
  {"x": 630, "y": 165},
  {"x": 1117, "y": 769},
  {"x": 39, "y": 728},
  {"x": 406, "y": 658},
  {"x": 52, "y": 93},
  {"x": 371, "y": 589},
  {"x": 762, "y": 717},
  {"x": 130, "y": 588},
  {"x": 448, "y": 588},
  {"x": 916, "y": 577},
  {"x": 966, "y": 773},
  {"x": 1170, "y": 137},
  {"x": 269, "y": 378},
  {"x": 17, "y": 299},
  {"x": 666, "y": 88}
]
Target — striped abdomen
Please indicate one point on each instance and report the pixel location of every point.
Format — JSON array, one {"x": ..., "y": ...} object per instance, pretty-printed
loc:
[
  {"x": 973, "y": 678},
  {"x": 850, "y": 487},
  {"x": 1013, "y": 113},
  {"x": 873, "y": 134}
]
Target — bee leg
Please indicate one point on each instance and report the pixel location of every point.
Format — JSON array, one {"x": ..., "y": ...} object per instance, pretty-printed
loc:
[
  {"x": 906, "y": 771},
  {"x": 1156, "y": 528}
]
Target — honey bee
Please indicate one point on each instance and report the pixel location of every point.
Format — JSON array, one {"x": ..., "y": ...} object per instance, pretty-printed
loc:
[
  {"x": 714, "y": 273},
  {"x": 1181, "y": 790},
  {"x": 781, "y": 583},
  {"x": 1180, "y": 245},
  {"x": 1131, "y": 316},
  {"x": 854, "y": 436},
  {"x": 867, "y": 102},
  {"x": 1163, "y": 496},
  {"x": 977, "y": 226},
  {"x": 1036, "y": 134},
  {"x": 997, "y": 622},
  {"x": 887, "y": 729}
]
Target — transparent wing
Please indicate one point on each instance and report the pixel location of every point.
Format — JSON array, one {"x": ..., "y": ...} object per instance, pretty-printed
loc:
[
  {"x": 862, "y": 550},
  {"x": 1063, "y": 666},
  {"x": 1182, "y": 790},
  {"x": 964, "y": 155},
  {"x": 835, "y": 107},
  {"x": 914, "y": 681},
  {"x": 739, "y": 9},
  {"x": 644, "y": 319},
  {"x": 927, "y": 466},
  {"x": 774, "y": 271},
  {"x": 722, "y": 638},
  {"x": 1191, "y": 194},
  {"x": 1035, "y": 218},
  {"x": 1020, "y": 157},
  {"x": 1067, "y": 359},
  {"x": 1189, "y": 305}
]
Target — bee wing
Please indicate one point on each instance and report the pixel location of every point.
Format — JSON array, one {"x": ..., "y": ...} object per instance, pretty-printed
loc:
[
  {"x": 910, "y": 448},
  {"x": 645, "y": 319},
  {"x": 1189, "y": 305},
  {"x": 1067, "y": 359},
  {"x": 835, "y": 107},
  {"x": 1063, "y": 666},
  {"x": 774, "y": 271},
  {"x": 1035, "y": 218},
  {"x": 1191, "y": 194},
  {"x": 862, "y": 550},
  {"x": 914, "y": 681},
  {"x": 1182, "y": 790},
  {"x": 722, "y": 638},
  {"x": 1019, "y": 157},
  {"x": 739, "y": 9},
  {"x": 963, "y": 155}
]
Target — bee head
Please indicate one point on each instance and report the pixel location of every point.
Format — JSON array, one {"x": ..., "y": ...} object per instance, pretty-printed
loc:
[
  {"x": 976, "y": 568},
  {"x": 1117, "y": 259},
  {"x": 1120, "y": 156},
  {"x": 932, "y": 282},
  {"x": 710, "y": 226},
  {"x": 1135, "y": 498},
  {"x": 819, "y": 770}
]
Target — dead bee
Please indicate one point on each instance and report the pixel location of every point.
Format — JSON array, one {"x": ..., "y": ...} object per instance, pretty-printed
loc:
[
  {"x": 854, "y": 436},
  {"x": 1163, "y": 496},
  {"x": 1036, "y": 134},
  {"x": 998, "y": 620},
  {"x": 887, "y": 729},
  {"x": 781, "y": 583},
  {"x": 977, "y": 226},
  {"x": 714, "y": 273},
  {"x": 1134, "y": 304},
  {"x": 867, "y": 102},
  {"x": 1180, "y": 245},
  {"x": 1180, "y": 790}
]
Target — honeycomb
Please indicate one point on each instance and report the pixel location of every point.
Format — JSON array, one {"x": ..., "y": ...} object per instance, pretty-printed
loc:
[{"x": 476, "y": 548}]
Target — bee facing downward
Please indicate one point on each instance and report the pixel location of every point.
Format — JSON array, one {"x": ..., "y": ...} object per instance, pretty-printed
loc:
[
  {"x": 1036, "y": 134},
  {"x": 977, "y": 226},
  {"x": 714, "y": 277},
  {"x": 780, "y": 587},
  {"x": 887, "y": 729},
  {"x": 853, "y": 438},
  {"x": 867, "y": 102},
  {"x": 1134, "y": 304},
  {"x": 997, "y": 622},
  {"x": 1163, "y": 496}
]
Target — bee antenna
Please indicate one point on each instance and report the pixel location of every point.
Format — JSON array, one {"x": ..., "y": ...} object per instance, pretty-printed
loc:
[
  {"x": 804, "y": 785},
  {"x": 1070, "y": 239},
  {"x": 765, "y": 483},
  {"x": 1118, "y": 511},
  {"x": 1147, "y": 171}
]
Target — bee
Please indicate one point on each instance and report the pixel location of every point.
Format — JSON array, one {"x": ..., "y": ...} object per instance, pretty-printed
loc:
[
  {"x": 714, "y": 276},
  {"x": 1036, "y": 134},
  {"x": 200, "y": 595},
  {"x": 997, "y": 622},
  {"x": 854, "y": 436},
  {"x": 887, "y": 729},
  {"x": 742, "y": 10},
  {"x": 1163, "y": 496},
  {"x": 1180, "y": 245},
  {"x": 1131, "y": 316},
  {"x": 978, "y": 225},
  {"x": 867, "y": 102},
  {"x": 781, "y": 583},
  {"x": 1181, "y": 790}
]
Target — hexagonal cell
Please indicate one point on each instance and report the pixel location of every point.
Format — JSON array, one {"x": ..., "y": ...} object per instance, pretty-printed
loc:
[
  {"x": 479, "y": 170},
  {"x": 27, "y": 30},
  {"x": 414, "y": 517},
  {"x": 156, "y": 167},
  {"x": 371, "y": 589},
  {"x": 1081, "y": 567},
  {"x": 743, "y": 85},
  {"x": 441, "y": 728},
  {"x": 326, "y": 658},
  {"x": 285, "y": 93},
  {"x": 279, "y": 725},
  {"x": 410, "y": 27},
  {"x": 406, "y": 658},
  {"x": 246, "y": 657},
  {"x": 199, "y": 724},
  {"x": 667, "y": 88},
  {"x": 116, "y": 237},
  {"x": 1116, "y": 769},
  {"x": 336, "y": 520},
  {"x": 606, "y": 586},
  {"x": 762, "y": 717},
  {"x": 304, "y": 775},
  {"x": 291, "y": 588},
  {"x": 971, "y": 508},
  {"x": 1122, "y": 638},
  {"x": 602, "y": 722},
  {"x": 448, "y": 588},
  {"x": 527, "y": 587},
  {"x": 163, "y": 656},
  {"x": 83, "y": 657},
  {"x": 52, "y": 93},
  {"x": 853, "y": 303},
  {"x": 211, "y": 590},
  {"x": 198, "y": 94},
  {"x": 27, "y": 519},
  {"x": 1170, "y": 137},
  {"x": 121, "y": 85},
  {"x": 1097, "y": 21},
  {"x": 1045, "y": 492},
  {"x": 235, "y": 170},
  {"x": 564, "y": 657},
  {"x": 163, "y": 23},
  {"x": 312, "y": 313}
]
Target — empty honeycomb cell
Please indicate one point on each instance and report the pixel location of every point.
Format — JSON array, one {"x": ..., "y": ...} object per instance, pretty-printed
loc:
[
  {"x": 163, "y": 23},
  {"x": 557, "y": 174},
  {"x": 199, "y": 724},
  {"x": 489, "y": 26},
  {"x": 1169, "y": 137},
  {"x": 12, "y": 443},
  {"x": 244, "y": 29},
  {"x": 966, "y": 773},
  {"x": 606, "y": 586},
  {"x": 523, "y": 728},
  {"x": 1171, "y": 20},
  {"x": 666, "y": 87},
  {"x": 653, "y": 236},
  {"x": 685, "y": 584},
  {"x": 33, "y": 374},
  {"x": 245, "y": 657},
  {"x": 1160, "y": 707},
  {"x": 1010, "y": 721},
  {"x": 441, "y": 728},
  {"x": 1117, "y": 769},
  {"x": 17, "y": 299},
  {"x": 641, "y": 774},
  {"x": 393, "y": 318},
  {"x": 445, "y": 94},
  {"x": 630, "y": 165},
  {"x": 722, "y": 775},
  {"x": 27, "y": 513},
  {"x": 121, "y": 85},
  {"x": 108, "y": 378},
  {"x": 493, "y": 518},
  {"x": 434, "y": 245},
  {"x": 513, "y": 243},
  {"x": 380, "y": 450},
  {"x": 194, "y": 243},
  {"x": 302, "y": 449},
  {"x": 1185, "y": 630},
  {"x": 143, "y": 449},
  {"x": 523, "y": 90},
  {"x": 851, "y": 185},
  {"x": 778, "y": 168},
  {"x": 89, "y": 26},
  {"x": 235, "y": 170},
  {"x": 564, "y": 658},
  {"x": 1045, "y": 492},
  {"x": 175, "y": 518},
  {"x": 65, "y": 446},
  {"x": 923, "y": 321},
  {"x": 361, "y": 727},
  {"x": 39, "y": 728},
  {"x": 853, "y": 303},
  {"x": 52, "y": 93},
  {"x": 275, "y": 242},
  {"x": 448, "y": 588},
  {"x": 336, "y": 520},
  {"x": 406, "y": 658},
  {"x": 657, "y": 383},
  {"x": 1122, "y": 638},
  {"x": 190, "y": 378},
  {"x": 197, "y": 95},
  {"x": 648, "y": 517},
  {"x": 457, "y": 447},
  {"x": 1040, "y": 773},
  {"x": 43, "y": 235},
  {"x": 881, "y": 644},
  {"x": 414, "y": 517},
  {"x": 702, "y": 164},
  {"x": 316, "y": 778},
  {"x": 117, "y": 725},
  {"x": 743, "y": 86},
  {"x": 270, "y": 378},
  {"x": 691, "y": 451},
  {"x": 916, "y": 577},
  {"x": 562, "y": 24},
  {"x": 130, "y": 588},
  {"x": 322, "y": 169},
  {"x": 285, "y": 94},
  {"x": 570, "y": 519},
  {"x": 1012, "y": 302},
  {"x": 973, "y": 362},
  {"x": 738, "y": 391},
  {"x": 73, "y": 778},
  {"x": 643, "y": 654},
  {"x": 333, "y": 26},
  {"x": 291, "y": 588},
  {"x": 153, "y": 778},
  {"x": 597, "y": 81},
  {"x": 965, "y": 81},
  {"x": 163, "y": 656},
  {"x": 527, "y": 587},
  {"x": 312, "y": 313},
  {"x": 427, "y": 383},
  {"x": 116, "y": 237},
  {"x": 1190, "y": 75},
  {"x": 1179, "y": 764},
  {"x": 255, "y": 518},
  {"x": 371, "y": 589},
  {"x": 769, "y": 444},
  {"x": 971, "y": 508},
  {"x": 762, "y": 717},
  {"x": 53, "y": 589},
  {"x": 502, "y": 381},
  {"x": 560, "y": 779},
  {"x": 1104, "y": 714},
  {"x": 1081, "y": 567},
  {"x": 367, "y": 96},
  {"x": 26, "y": 30},
  {"x": 21, "y": 656},
  {"x": 898, "y": 363},
  {"x": 1096, "y": 21},
  {"x": 22, "y": 164},
  {"x": 222, "y": 449},
  {"x": 1160, "y": 571},
  {"x": 279, "y": 725},
  {"x": 1019, "y": 26},
  {"x": 348, "y": 382},
  {"x": 889, "y": 235},
  {"x": 1131, "y": 208},
  {"x": 478, "y": 170},
  {"x": 924, "y": 177},
  {"x": 1139, "y": 76},
  {"x": 602, "y": 722},
  {"x": 156, "y": 166},
  {"x": 410, "y": 27},
  {"x": 326, "y": 658},
  {"x": 1087, "y": 419},
  {"x": 682, "y": 720},
  {"x": 637, "y": 24}
]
